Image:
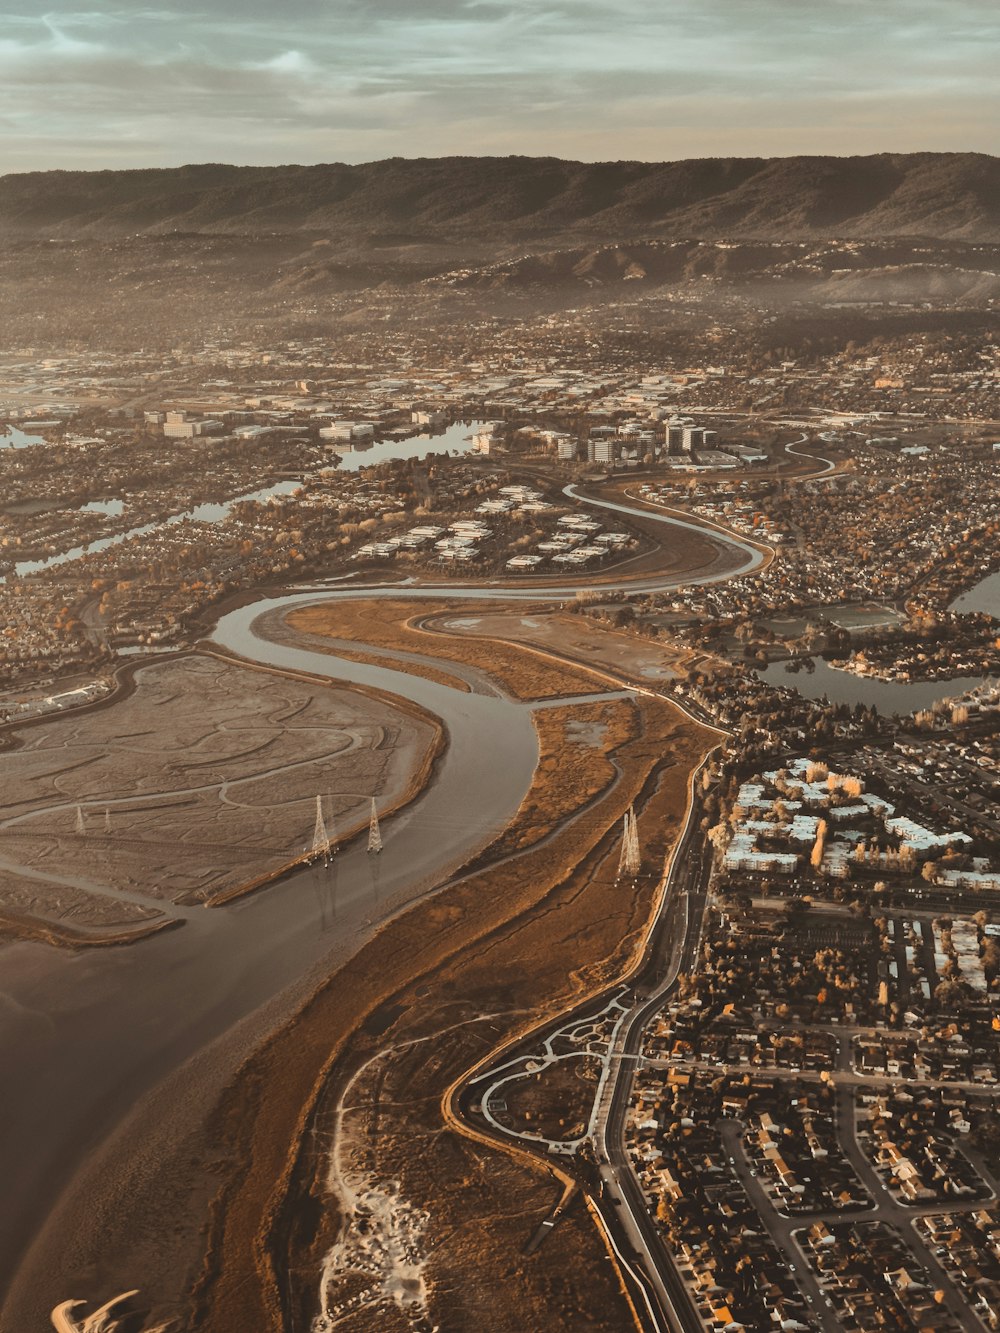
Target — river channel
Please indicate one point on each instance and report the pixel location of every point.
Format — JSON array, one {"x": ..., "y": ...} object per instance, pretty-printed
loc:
[{"x": 83, "y": 1039}]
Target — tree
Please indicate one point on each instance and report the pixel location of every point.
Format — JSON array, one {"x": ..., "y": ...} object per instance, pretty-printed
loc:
[
  {"x": 719, "y": 837},
  {"x": 816, "y": 858}
]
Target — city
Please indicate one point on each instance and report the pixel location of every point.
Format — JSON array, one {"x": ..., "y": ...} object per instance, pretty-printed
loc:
[
  {"x": 777, "y": 1093},
  {"x": 500, "y": 667}
]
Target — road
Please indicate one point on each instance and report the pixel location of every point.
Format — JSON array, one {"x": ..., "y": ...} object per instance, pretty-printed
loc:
[
  {"x": 827, "y": 468},
  {"x": 895, "y": 1214},
  {"x": 658, "y": 1294},
  {"x": 779, "y": 1229},
  {"x": 670, "y": 952},
  {"x": 927, "y": 786},
  {"x": 884, "y": 1207}
]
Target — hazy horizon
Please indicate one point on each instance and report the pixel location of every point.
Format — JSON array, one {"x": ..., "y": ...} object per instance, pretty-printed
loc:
[
  {"x": 538, "y": 157},
  {"x": 106, "y": 87}
]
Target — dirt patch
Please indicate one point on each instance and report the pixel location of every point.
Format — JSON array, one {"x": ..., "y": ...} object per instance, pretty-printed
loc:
[
  {"x": 386, "y": 658},
  {"x": 555, "y": 1101},
  {"x": 575, "y": 744},
  {"x": 395, "y": 624},
  {"x": 577, "y": 638}
]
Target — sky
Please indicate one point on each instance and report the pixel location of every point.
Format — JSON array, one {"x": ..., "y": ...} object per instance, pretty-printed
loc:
[{"x": 279, "y": 81}]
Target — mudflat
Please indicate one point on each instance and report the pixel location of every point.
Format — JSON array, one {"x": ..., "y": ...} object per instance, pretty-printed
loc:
[{"x": 202, "y": 779}]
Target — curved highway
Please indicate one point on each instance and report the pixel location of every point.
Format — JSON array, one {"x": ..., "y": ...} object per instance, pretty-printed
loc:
[{"x": 82, "y": 1067}]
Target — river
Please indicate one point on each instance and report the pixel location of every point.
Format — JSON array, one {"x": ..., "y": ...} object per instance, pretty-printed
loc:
[
  {"x": 76, "y": 1059},
  {"x": 210, "y": 512},
  {"x": 84, "y": 1038}
]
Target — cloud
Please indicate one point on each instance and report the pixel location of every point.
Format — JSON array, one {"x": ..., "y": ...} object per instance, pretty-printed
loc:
[{"x": 245, "y": 79}]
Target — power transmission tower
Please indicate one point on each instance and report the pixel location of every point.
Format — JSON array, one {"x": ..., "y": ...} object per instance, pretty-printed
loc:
[
  {"x": 633, "y": 861},
  {"x": 81, "y": 826},
  {"x": 323, "y": 844},
  {"x": 374, "y": 833},
  {"x": 630, "y": 860},
  {"x": 107, "y": 820},
  {"x": 623, "y": 855}
]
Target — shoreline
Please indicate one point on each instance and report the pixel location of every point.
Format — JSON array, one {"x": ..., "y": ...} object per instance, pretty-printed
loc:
[{"x": 15, "y": 927}]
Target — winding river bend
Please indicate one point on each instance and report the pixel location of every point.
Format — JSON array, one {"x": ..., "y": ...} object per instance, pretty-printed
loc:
[{"x": 95, "y": 1044}]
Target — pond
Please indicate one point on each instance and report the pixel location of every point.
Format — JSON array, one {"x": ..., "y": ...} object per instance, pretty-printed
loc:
[
  {"x": 455, "y": 439},
  {"x": 819, "y": 679},
  {"x": 13, "y": 438},
  {"x": 983, "y": 596}
]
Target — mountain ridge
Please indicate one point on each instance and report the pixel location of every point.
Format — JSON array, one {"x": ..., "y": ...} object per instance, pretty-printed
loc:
[{"x": 495, "y": 204}]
